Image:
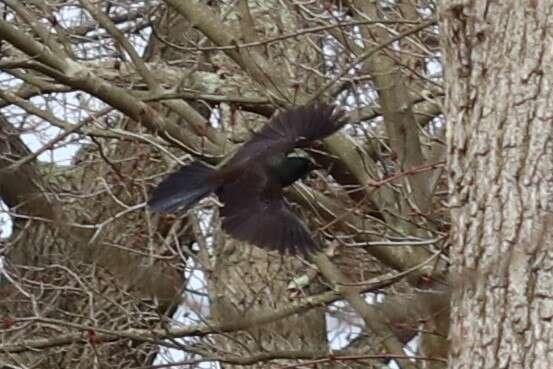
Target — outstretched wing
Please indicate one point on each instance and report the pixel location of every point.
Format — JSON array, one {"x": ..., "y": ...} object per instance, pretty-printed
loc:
[
  {"x": 257, "y": 213},
  {"x": 287, "y": 130}
]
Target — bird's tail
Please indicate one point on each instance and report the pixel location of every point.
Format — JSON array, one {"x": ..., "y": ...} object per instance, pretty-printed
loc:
[{"x": 183, "y": 188}]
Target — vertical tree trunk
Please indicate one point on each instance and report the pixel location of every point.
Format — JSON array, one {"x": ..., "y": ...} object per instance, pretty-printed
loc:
[{"x": 498, "y": 64}]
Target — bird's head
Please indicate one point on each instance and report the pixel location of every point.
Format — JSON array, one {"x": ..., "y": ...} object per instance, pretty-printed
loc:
[{"x": 294, "y": 168}]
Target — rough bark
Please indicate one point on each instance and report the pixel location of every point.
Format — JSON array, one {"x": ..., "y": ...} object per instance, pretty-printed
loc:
[{"x": 498, "y": 64}]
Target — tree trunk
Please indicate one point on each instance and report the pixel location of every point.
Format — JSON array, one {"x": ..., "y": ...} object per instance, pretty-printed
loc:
[{"x": 498, "y": 64}]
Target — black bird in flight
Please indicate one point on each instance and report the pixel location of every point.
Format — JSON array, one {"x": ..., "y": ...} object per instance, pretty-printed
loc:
[{"x": 250, "y": 183}]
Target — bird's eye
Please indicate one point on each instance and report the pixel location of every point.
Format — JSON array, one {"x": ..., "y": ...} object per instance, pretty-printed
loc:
[{"x": 312, "y": 176}]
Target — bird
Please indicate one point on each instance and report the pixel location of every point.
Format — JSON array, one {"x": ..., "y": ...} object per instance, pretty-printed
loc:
[{"x": 250, "y": 184}]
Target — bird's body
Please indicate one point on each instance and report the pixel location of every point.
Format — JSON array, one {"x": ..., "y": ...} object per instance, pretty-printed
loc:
[{"x": 250, "y": 184}]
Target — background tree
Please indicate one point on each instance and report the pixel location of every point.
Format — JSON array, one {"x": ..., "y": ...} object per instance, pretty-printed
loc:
[{"x": 92, "y": 279}]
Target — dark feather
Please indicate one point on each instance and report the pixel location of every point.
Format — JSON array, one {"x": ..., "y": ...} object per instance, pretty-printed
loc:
[
  {"x": 288, "y": 130},
  {"x": 274, "y": 228},
  {"x": 259, "y": 215},
  {"x": 183, "y": 188}
]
